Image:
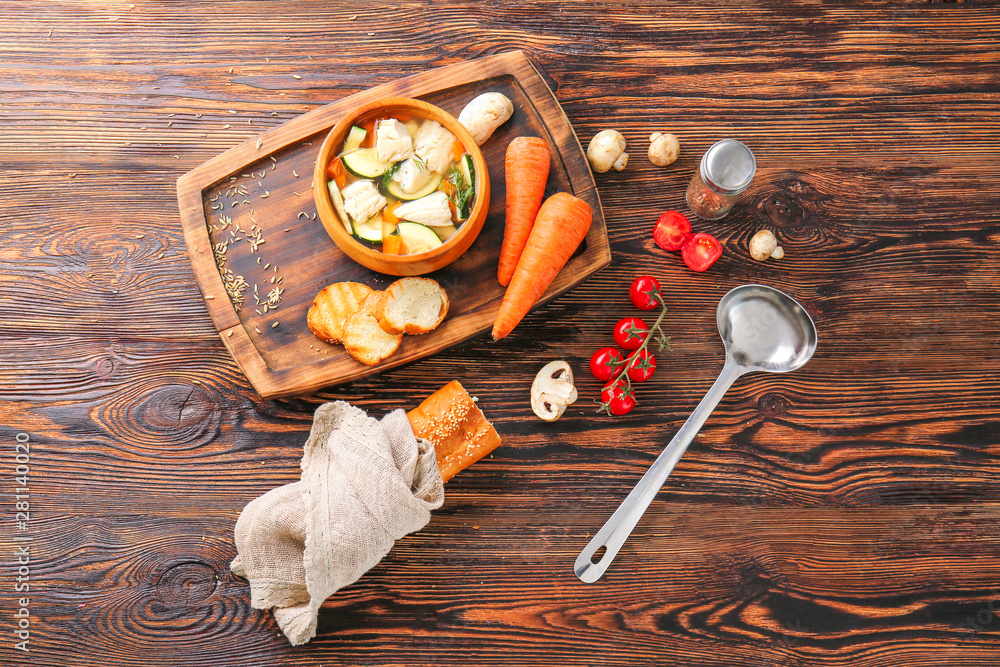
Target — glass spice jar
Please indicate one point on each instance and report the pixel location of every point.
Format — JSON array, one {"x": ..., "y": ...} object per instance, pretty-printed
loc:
[{"x": 726, "y": 170}]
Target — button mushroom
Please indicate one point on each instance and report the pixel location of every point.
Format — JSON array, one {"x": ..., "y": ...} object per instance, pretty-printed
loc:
[
  {"x": 663, "y": 148},
  {"x": 607, "y": 150},
  {"x": 553, "y": 390},
  {"x": 483, "y": 115},
  {"x": 764, "y": 244}
]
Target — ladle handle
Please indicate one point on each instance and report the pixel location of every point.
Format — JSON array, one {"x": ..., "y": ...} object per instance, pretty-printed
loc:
[{"x": 617, "y": 529}]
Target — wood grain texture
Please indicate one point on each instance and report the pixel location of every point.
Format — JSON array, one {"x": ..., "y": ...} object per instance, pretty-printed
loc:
[{"x": 845, "y": 514}]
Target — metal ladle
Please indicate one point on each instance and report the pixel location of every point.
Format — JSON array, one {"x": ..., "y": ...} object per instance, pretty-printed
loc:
[{"x": 763, "y": 330}]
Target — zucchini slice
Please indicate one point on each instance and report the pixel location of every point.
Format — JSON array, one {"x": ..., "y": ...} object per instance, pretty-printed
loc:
[
  {"x": 417, "y": 238},
  {"x": 338, "y": 204},
  {"x": 371, "y": 229},
  {"x": 468, "y": 171},
  {"x": 393, "y": 188},
  {"x": 364, "y": 163},
  {"x": 354, "y": 138},
  {"x": 444, "y": 233}
]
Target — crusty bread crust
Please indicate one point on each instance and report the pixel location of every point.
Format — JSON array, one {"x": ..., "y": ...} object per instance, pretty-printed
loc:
[
  {"x": 364, "y": 339},
  {"x": 392, "y": 322},
  {"x": 451, "y": 420},
  {"x": 331, "y": 308}
]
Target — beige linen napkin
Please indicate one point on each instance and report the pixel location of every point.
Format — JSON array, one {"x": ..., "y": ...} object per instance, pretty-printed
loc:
[{"x": 364, "y": 484}]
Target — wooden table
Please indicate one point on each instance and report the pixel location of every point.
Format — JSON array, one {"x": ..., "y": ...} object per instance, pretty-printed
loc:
[{"x": 845, "y": 514}]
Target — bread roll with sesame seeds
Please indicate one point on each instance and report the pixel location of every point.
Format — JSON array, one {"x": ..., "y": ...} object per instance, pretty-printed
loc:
[{"x": 452, "y": 421}]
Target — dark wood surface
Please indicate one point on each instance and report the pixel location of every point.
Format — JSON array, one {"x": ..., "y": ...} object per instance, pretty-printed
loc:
[
  {"x": 273, "y": 348},
  {"x": 845, "y": 514}
]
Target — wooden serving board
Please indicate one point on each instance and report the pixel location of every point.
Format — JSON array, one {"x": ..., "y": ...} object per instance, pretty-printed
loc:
[{"x": 251, "y": 211}]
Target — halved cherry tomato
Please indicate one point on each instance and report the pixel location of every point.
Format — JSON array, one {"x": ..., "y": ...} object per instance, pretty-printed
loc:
[
  {"x": 618, "y": 397},
  {"x": 630, "y": 332},
  {"x": 641, "y": 366},
  {"x": 606, "y": 363},
  {"x": 672, "y": 231},
  {"x": 701, "y": 251},
  {"x": 645, "y": 293}
]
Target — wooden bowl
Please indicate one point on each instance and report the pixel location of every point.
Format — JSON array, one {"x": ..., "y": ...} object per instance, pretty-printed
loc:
[{"x": 400, "y": 265}]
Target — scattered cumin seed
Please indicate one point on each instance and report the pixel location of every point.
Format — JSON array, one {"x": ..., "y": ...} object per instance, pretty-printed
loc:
[
  {"x": 301, "y": 213},
  {"x": 274, "y": 325},
  {"x": 197, "y": 115},
  {"x": 249, "y": 122},
  {"x": 229, "y": 334},
  {"x": 274, "y": 113},
  {"x": 231, "y": 69},
  {"x": 169, "y": 123},
  {"x": 288, "y": 229},
  {"x": 140, "y": 236},
  {"x": 259, "y": 313},
  {"x": 352, "y": 17},
  {"x": 50, "y": 32},
  {"x": 231, "y": 111},
  {"x": 226, "y": 126},
  {"x": 265, "y": 195},
  {"x": 256, "y": 328},
  {"x": 295, "y": 173},
  {"x": 296, "y": 76},
  {"x": 260, "y": 142},
  {"x": 73, "y": 175},
  {"x": 209, "y": 297},
  {"x": 160, "y": 256}
]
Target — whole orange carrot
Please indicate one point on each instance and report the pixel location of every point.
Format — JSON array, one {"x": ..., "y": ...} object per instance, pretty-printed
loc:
[
  {"x": 527, "y": 169},
  {"x": 561, "y": 225}
]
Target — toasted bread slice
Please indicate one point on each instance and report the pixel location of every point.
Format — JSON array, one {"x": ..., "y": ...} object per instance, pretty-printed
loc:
[
  {"x": 412, "y": 306},
  {"x": 451, "y": 420},
  {"x": 364, "y": 338},
  {"x": 331, "y": 308}
]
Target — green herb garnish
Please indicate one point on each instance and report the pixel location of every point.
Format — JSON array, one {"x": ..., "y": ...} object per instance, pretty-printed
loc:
[
  {"x": 389, "y": 173},
  {"x": 463, "y": 190}
]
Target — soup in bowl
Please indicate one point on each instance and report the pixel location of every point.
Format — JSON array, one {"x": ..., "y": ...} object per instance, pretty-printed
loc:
[{"x": 401, "y": 187}]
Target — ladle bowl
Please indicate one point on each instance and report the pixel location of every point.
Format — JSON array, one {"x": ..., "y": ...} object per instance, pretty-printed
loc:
[{"x": 763, "y": 329}]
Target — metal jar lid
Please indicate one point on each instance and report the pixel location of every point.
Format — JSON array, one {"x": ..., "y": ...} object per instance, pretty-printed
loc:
[{"x": 728, "y": 167}]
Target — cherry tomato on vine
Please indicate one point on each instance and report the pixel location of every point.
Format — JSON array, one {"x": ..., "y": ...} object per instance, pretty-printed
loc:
[
  {"x": 606, "y": 363},
  {"x": 641, "y": 366},
  {"x": 630, "y": 332},
  {"x": 701, "y": 251},
  {"x": 672, "y": 231},
  {"x": 645, "y": 293},
  {"x": 618, "y": 397}
]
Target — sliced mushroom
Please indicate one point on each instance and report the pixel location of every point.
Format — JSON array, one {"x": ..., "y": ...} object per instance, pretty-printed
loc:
[{"x": 553, "y": 390}]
